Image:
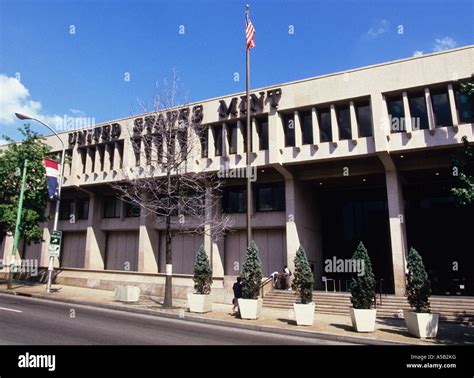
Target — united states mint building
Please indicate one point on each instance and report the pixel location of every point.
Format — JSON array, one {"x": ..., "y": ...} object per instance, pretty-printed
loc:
[{"x": 357, "y": 155}]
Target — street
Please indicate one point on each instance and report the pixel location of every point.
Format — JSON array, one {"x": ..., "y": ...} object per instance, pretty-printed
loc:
[{"x": 29, "y": 321}]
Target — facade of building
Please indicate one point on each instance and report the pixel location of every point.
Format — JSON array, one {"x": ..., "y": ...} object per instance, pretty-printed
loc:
[{"x": 360, "y": 155}]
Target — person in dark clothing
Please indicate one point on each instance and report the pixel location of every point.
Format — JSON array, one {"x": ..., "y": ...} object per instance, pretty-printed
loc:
[{"x": 237, "y": 288}]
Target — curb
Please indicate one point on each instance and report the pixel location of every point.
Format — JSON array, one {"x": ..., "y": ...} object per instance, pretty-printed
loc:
[{"x": 198, "y": 319}]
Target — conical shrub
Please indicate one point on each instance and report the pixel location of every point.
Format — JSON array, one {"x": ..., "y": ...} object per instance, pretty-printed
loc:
[
  {"x": 303, "y": 278},
  {"x": 418, "y": 284},
  {"x": 202, "y": 273},
  {"x": 363, "y": 284},
  {"x": 251, "y": 273}
]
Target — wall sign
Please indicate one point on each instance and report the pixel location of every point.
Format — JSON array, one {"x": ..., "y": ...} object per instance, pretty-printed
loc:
[
  {"x": 100, "y": 134},
  {"x": 257, "y": 103}
]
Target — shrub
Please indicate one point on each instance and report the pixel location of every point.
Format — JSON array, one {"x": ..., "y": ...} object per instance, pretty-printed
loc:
[
  {"x": 363, "y": 286},
  {"x": 418, "y": 284},
  {"x": 202, "y": 273},
  {"x": 303, "y": 279},
  {"x": 251, "y": 273}
]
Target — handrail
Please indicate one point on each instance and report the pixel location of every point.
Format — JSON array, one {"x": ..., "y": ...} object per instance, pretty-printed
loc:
[{"x": 263, "y": 284}]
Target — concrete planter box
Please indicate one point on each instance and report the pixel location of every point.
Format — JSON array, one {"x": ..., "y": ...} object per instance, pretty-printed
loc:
[
  {"x": 421, "y": 324},
  {"x": 363, "y": 320},
  {"x": 200, "y": 302},
  {"x": 250, "y": 308},
  {"x": 304, "y": 313},
  {"x": 127, "y": 293}
]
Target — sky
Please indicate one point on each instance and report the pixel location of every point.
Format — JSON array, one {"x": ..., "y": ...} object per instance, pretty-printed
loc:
[{"x": 93, "y": 61}]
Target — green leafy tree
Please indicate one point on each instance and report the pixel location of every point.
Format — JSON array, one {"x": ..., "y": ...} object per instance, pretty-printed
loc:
[
  {"x": 303, "y": 279},
  {"x": 464, "y": 169},
  {"x": 251, "y": 273},
  {"x": 36, "y": 195},
  {"x": 363, "y": 285},
  {"x": 202, "y": 273},
  {"x": 418, "y": 283}
]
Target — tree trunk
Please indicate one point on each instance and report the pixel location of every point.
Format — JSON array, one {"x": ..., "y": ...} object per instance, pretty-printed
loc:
[{"x": 168, "y": 301}]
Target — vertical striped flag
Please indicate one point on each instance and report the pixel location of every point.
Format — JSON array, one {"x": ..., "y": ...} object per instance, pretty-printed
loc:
[
  {"x": 249, "y": 33},
  {"x": 52, "y": 175}
]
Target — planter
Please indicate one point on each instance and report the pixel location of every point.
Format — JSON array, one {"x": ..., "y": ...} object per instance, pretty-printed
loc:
[
  {"x": 199, "y": 302},
  {"x": 250, "y": 308},
  {"x": 363, "y": 320},
  {"x": 421, "y": 324},
  {"x": 127, "y": 293},
  {"x": 304, "y": 313}
]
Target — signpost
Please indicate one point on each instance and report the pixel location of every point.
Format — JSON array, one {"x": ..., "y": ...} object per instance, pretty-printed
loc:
[{"x": 54, "y": 244}]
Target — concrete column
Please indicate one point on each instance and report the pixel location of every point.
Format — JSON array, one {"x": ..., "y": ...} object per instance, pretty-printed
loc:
[
  {"x": 354, "y": 125},
  {"x": 214, "y": 248},
  {"x": 429, "y": 110},
  {"x": 452, "y": 105},
  {"x": 225, "y": 140},
  {"x": 274, "y": 137},
  {"x": 298, "y": 131},
  {"x": 211, "y": 150},
  {"x": 148, "y": 243},
  {"x": 406, "y": 109},
  {"x": 240, "y": 138},
  {"x": 314, "y": 118},
  {"x": 107, "y": 155},
  {"x": 255, "y": 139},
  {"x": 76, "y": 164},
  {"x": 292, "y": 236},
  {"x": 97, "y": 165},
  {"x": 89, "y": 159},
  {"x": 334, "y": 125},
  {"x": 95, "y": 237},
  {"x": 397, "y": 223}
]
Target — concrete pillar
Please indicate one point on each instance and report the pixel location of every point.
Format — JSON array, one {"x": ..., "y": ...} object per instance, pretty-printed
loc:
[
  {"x": 255, "y": 139},
  {"x": 430, "y": 112},
  {"x": 117, "y": 158},
  {"x": 292, "y": 236},
  {"x": 95, "y": 237},
  {"x": 274, "y": 137},
  {"x": 396, "y": 213},
  {"x": 240, "y": 138},
  {"x": 334, "y": 125},
  {"x": 452, "y": 105},
  {"x": 90, "y": 159},
  {"x": 148, "y": 243},
  {"x": 314, "y": 118},
  {"x": 211, "y": 149},
  {"x": 354, "y": 125},
  {"x": 406, "y": 110},
  {"x": 298, "y": 131},
  {"x": 225, "y": 140},
  {"x": 214, "y": 248}
]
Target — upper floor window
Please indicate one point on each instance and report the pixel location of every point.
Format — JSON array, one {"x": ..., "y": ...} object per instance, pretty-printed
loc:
[
  {"x": 344, "y": 122},
  {"x": 112, "y": 207},
  {"x": 78, "y": 207},
  {"x": 132, "y": 210},
  {"x": 66, "y": 209},
  {"x": 289, "y": 129},
  {"x": 465, "y": 107},
  {"x": 204, "y": 139},
  {"x": 364, "y": 118},
  {"x": 441, "y": 107},
  {"x": 262, "y": 131},
  {"x": 217, "y": 133},
  {"x": 396, "y": 114},
  {"x": 418, "y": 113},
  {"x": 234, "y": 200},
  {"x": 325, "y": 131},
  {"x": 232, "y": 137},
  {"x": 82, "y": 208},
  {"x": 307, "y": 127},
  {"x": 270, "y": 197}
]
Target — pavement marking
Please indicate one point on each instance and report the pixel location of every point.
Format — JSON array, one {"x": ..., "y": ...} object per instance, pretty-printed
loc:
[{"x": 9, "y": 309}]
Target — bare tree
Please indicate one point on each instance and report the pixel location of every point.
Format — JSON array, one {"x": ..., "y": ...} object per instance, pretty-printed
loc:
[{"x": 169, "y": 180}]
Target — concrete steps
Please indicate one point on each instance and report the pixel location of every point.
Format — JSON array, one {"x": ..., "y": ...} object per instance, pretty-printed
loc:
[{"x": 455, "y": 309}]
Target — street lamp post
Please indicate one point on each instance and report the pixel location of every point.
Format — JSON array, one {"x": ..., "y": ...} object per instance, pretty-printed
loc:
[{"x": 58, "y": 201}]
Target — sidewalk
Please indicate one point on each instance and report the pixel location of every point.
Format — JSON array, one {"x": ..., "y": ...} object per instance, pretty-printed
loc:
[{"x": 329, "y": 327}]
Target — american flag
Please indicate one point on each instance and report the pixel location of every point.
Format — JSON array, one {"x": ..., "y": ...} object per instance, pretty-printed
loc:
[{"x": 249, "y": 34}]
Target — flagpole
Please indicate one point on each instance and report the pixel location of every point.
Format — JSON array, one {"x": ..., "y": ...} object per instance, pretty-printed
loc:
[{"x": 249, "y": 136}]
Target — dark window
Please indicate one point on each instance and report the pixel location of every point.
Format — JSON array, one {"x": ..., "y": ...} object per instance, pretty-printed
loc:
[
  {"x": 419, "y": 115},
  {"x": 217, "y": 133},
  {"x": 441, "y": 108},
  {"x": 204, "y": 137},
  {"x": 364, "y": 118},
  {"x": 465, "y": 106},
  {"x": 307, "y": 127},
  {"x": 112, "y": 207},
  {"x": 344, "y": 122},
  {"x": 101, "y": 162},
  {"x": 232, "y": 137},
  {"x": 396, "y": 114},
  {"x": 83, "y": 153},
  {"x": 262, "y": 131},
  {"x": 289, "y": 129},
  {"x": 234, "y": 200},
  {"x": 66, "y": 209},
  {"x": 324, "y": 119},
  {"x": 120, "y": 153},
  {"x": 270, "y": 197},
  {"x": 111, "y": 150},
  {"x": 137, "y": 145},
  {"x": 132, "y": 210},
  {"x": 82, "y": 209}
]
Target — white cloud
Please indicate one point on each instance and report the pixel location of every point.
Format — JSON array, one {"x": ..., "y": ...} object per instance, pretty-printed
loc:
[
  {"x": 417, "y": 53},
  {"x": 444, "y": 43},
  {"x": 2, "y": 142},
  {"x": 380, "y": 27},
  {"x": 16, "y": 98}
]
